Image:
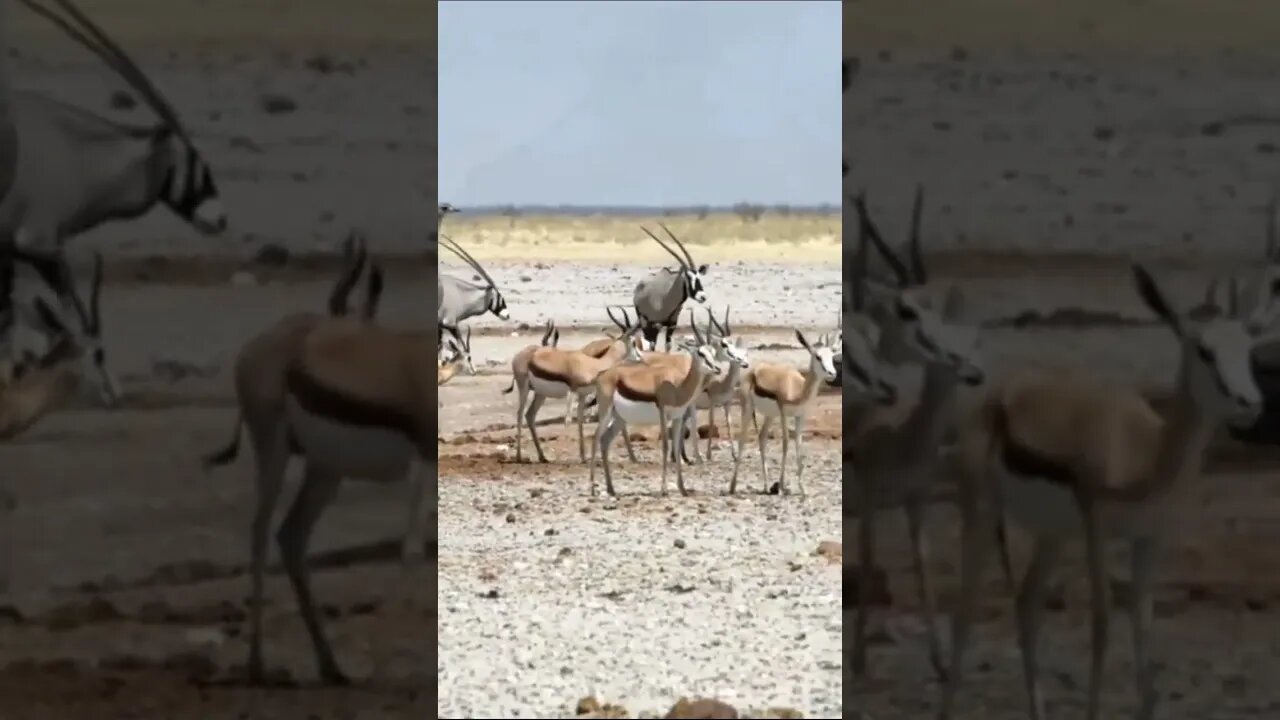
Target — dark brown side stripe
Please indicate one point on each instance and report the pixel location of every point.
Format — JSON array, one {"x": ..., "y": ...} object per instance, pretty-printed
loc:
[
  {"x": 325, "y": 402},
  {"x": 633, "y": 394},
  {"x": 1027, "y": 463},
  {"x": 764, "y": 393},
  {"x": 548, "y": 376}
]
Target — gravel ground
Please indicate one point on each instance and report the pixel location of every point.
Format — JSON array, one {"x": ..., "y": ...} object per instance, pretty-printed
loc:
[{"x": 547, "y": 595}]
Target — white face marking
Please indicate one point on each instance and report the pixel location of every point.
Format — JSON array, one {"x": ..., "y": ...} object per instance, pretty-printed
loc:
[
  {"x": 210, "y": 217},
  {"x": 1221, "y": 371},
  {"x": 730, "y": 352},
  {"x": 699, "y": 294}
]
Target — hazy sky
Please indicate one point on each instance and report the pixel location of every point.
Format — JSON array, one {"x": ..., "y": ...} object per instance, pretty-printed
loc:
[{"x": 639, "y": 103}]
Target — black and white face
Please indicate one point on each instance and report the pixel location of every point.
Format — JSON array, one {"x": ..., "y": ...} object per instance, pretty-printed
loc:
[
  {"x": 497, "y": 304},
  {"x": 693, "y": 284},
  {"x": 190, "y": 191}
]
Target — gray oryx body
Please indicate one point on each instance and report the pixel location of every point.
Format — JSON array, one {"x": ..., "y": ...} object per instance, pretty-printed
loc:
[
  {"x": 77, "y": 170},
  {"x": 461, "y": 299},
  {"x": 659, "y": 298}
]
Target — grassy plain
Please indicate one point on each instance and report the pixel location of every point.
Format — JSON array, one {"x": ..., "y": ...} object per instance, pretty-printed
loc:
[{"x": 717, "y": 237}]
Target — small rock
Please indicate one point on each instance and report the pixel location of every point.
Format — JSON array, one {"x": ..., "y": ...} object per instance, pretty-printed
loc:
[
  {"x": 511, "y": 517},
  {"x": 831, "y": 550},
  {"x": 491, "y": 594},
  {"x": 701, "y": 709},
  {"x": 276, "y": 104},
  {"x": 680, "y": 544},
  {"x": 549, "y": 532}
]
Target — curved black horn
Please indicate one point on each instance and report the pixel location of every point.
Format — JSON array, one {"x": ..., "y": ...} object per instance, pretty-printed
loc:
[
  {"x": 674, "y": 254},
  {"x": 373, "y": 292},
  {"x": 621, "y": 325},
  {"x": 873, "y": 234},
  {"x": 679, "y": 244},
  {"x": 913, "y": 242},
  {"x": 353, "y": 250}
]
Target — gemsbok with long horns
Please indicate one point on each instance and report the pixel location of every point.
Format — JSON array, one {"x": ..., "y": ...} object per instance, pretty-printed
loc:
[
  {"x": 643, "y": 393},
  {"x": 77, "y": 170},
  {"x": 1076, "y": 457},
  {"x": 461, "y": 299},
  {"x": 659, "y": 298}
]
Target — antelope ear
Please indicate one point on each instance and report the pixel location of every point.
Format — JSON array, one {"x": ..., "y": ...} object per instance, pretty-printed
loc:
[{"x": 1155, "y": 299}]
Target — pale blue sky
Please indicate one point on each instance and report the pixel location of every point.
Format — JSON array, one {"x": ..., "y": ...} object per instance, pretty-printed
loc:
[{"x": 639, "y": 103}]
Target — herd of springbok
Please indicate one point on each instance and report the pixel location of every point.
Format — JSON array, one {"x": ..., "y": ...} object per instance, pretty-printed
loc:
[
  {"x": 1063, "y": 453},
  {"x": 632, "y": 384}
]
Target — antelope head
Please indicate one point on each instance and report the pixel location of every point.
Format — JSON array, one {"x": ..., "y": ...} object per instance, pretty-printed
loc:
[
  {"x": 822, "y": 357},
  {"x": 691, "y": 272},
  {"x": 494, "y": 302},
  {"x": 726, "y": 345},
  {"x": 914, "y": 325},
  {"x": 1216, "y": 356}
]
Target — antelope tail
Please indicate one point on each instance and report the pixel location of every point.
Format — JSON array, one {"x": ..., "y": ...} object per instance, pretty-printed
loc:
[
  {"x": 510, "y": 387},
  {"x": 229, "y": 453}
]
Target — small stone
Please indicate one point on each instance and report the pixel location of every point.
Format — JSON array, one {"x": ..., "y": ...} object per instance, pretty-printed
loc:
[{"x": 679, "y": 544}]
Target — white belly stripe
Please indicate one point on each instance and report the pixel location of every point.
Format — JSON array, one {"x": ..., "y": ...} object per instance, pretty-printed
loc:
[{"x": 369, "y": 453}]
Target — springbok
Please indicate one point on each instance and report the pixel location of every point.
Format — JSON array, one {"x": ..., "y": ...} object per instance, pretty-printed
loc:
[
  {"x": 896, "y": 451},
  {"x": 554, "y": 373},
  {"x": 720, "y": 392},
  {"x": 462, "y": 299},
  {"x": 260, "y": 374},
  {"x": 459, "y": 358},
  {"x": 40, "y": 277},
  {"x": 659, "y": 298},
  {"x": 598, "y": 347},
  {"x": 359, "y": 405},
  {"x": 78, "y": 170},
  {"x": 651, "y": 394},
  {"x": 784, "y": 393},
  {"x": 1068, "y": 453},
  {"x": 35, "y": 389}
]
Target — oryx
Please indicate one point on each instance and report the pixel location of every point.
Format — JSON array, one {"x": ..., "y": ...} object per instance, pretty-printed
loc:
[
  {"x": 77, "y": 170},
  {"x": 659, "y": 298},
  {"x": 462, "y": 299}
]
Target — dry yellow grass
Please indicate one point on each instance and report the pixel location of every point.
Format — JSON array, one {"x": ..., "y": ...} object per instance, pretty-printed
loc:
[
  {"x": 1105, "y": 27},
  {"x": 719, "y": 237}
]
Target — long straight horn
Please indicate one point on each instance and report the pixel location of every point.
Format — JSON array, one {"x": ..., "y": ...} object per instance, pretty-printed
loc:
[
  {"x": 466, "y": 256},
  {"x": 679, "y": 244},
  {"x": 101, "y": 44},
  {"x": 858, "y": 283},
  {"x": 872, "y": 233},
  {"x": 913, "y": 242},
  {"x": 694, "y": 326},
  {"x": 674, "y": 254},
  {"x": 728, "y": 330}
]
